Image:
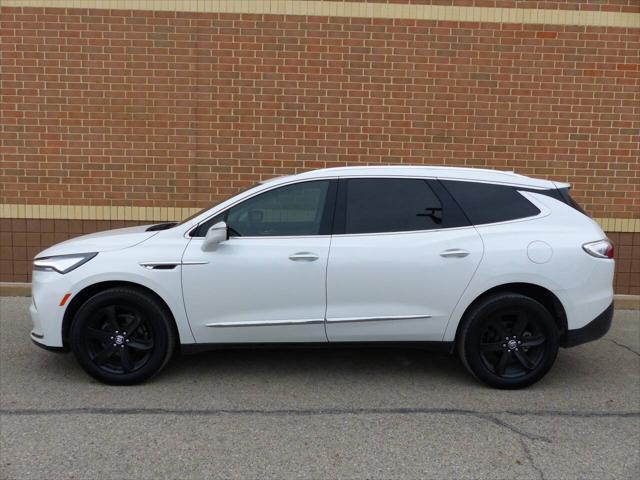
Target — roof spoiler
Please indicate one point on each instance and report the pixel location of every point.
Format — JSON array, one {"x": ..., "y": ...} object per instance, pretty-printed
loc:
[{"x": 560, "y": 185}]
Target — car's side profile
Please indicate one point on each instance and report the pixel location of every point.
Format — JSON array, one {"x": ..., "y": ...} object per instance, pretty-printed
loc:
[{"x": 502, "y": 269}]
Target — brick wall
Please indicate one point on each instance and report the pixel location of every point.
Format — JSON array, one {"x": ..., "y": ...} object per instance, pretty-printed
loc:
[{"x": 181, "y": 109}]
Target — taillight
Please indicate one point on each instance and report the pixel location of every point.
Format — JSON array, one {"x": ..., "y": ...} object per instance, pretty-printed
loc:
[{"x": 599, "y": 249}]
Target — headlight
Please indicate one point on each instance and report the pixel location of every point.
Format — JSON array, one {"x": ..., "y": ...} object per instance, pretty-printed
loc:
[{"x": 62, "y": 263}]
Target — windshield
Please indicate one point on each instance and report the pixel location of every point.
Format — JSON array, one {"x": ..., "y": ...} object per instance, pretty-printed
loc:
[{"x": 200, "y": 212}]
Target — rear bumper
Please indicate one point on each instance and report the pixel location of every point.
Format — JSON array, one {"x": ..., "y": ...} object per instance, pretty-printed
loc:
[{"x": 596, "y": 328}]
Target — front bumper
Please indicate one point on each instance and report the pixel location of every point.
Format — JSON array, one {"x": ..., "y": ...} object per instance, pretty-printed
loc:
[
  {"x": 47, "y": 289},
  {"x": 596, "y": 328},
  {"x": 47, "y": 348}
]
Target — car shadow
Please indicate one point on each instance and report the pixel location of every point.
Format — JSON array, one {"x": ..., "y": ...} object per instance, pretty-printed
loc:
[{"x": 317, "y": 362}]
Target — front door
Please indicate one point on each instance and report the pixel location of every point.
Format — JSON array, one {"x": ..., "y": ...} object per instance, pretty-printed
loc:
[
  {"x": 267, "y": 283},
  {"x": 400, "y": 261}
]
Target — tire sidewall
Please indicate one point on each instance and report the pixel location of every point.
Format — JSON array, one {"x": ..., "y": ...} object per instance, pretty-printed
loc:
[
  {"x": 155, "y": 317},
  {"x": 475, "y": 327}
]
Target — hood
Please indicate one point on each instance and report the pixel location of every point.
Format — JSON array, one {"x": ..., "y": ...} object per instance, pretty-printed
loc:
[{"x": 101, "y": 241}]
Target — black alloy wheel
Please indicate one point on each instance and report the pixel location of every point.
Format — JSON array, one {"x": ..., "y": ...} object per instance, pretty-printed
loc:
[
  {"x": 511, "y": 345},
  {"x": 119, "y": 339},
  {"x": 122, "y": 336},
  {"x": 509, "y": 341}
]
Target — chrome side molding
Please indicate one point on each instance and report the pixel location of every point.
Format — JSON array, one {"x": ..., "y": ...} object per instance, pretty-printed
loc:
[
  {"x": 375, "y": 319},
  {"x": 267, "y": 323},
  {"x": 313, "y": 321}
]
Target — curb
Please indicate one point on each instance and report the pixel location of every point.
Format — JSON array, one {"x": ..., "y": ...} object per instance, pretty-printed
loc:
[
  {"x": 627, "y": 302},
  {"x": 11, "y": 289},
  {"x": 15, "y": 289}
]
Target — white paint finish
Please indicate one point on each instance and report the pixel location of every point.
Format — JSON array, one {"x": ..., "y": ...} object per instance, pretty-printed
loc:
[
  {"x": 582, "y": 283},
  {"x": 254, "y": 280},
  {"x": 101, "y": 241},
  {"x": 398, "y": 275},
  {"x": 539, "y": 251},
  {"x": 112, "y": 265},
  {"x": 412, "y": 275}
]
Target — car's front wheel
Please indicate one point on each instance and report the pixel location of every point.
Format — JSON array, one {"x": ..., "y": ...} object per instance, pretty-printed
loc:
[
  {"x": 508, "y": 341},
  {"x": 122, "y": 336}
]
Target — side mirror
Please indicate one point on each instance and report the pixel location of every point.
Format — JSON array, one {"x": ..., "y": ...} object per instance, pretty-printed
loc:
[{"x": 215, "y": 235}]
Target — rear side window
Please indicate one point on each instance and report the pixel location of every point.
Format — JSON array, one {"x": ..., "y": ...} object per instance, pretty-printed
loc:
[
  {"x": 562, "y": 195},
  {"x": 489, "y": 203},
  {"x": 378, "y": 205}
]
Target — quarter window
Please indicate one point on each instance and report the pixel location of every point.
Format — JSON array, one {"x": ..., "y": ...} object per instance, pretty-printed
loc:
[
  {"x": 490, "y": 203},
  {"x": 376, "y": 205}
]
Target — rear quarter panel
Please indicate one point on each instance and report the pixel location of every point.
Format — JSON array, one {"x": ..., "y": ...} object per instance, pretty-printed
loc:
[{"x": 582, "y": 283}]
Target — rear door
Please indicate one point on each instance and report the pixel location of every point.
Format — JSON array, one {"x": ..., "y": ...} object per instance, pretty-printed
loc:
[{"x": 401, "y": 256}]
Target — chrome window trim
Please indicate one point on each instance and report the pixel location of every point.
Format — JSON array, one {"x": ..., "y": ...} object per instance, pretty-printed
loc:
[
  {"x": 282, "y": 237},
  {"x": 543, "y": 212}
]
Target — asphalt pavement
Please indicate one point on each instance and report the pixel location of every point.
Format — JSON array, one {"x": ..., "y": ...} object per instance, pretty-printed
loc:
[{"x": 318, "y": 414}]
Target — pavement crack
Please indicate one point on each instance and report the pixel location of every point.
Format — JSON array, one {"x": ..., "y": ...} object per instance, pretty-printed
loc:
[
  {"x": 521, "y": 433},
  {"x": 492, "y": 416},
  {"x": 626, "y": 347},
  {"x": 487, "y": 416},
  {"x": 530, "y": 458}
]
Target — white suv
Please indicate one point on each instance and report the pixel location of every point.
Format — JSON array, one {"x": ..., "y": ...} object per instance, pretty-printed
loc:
[{"x": 500, "y": 268}]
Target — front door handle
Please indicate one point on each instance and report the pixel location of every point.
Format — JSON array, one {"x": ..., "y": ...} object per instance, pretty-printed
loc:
[
  {"x": 454, "y": 253},
  {"x": 304, "y": 257}
]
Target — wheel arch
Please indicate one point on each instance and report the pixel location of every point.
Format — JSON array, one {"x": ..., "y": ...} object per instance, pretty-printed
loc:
[
  {"x": 541, "y": 294},
  {"x": 87, "y": 292}
]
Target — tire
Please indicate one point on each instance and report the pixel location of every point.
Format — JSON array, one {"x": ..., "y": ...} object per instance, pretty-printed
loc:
[
  {"x": 508, "y": 341},
  {"x": 111, "y": 354}
]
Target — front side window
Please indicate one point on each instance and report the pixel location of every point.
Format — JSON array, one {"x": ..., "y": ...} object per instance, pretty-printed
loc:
[
  {"x": 291, "y": 210},
  {"x": 378, "y": 205}
]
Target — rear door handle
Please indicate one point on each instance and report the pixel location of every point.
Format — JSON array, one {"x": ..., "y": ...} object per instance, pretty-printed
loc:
[
  {"x": 304, "y": 257},
  {"x": 454, "y": 253}
]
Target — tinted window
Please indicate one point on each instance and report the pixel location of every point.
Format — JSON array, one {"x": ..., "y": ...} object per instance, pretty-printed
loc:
[
  {"x": 560, "y": 194},
  {"x": 296, "y": 209},
  {"x": 376, "y": 205},
  {"x": 489, "y": 203}
]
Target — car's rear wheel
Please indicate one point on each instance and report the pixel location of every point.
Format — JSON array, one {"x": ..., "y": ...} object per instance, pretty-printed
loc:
[
  {"x": 122, "y": 336},
  {"x": 508, "y": 341}
]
